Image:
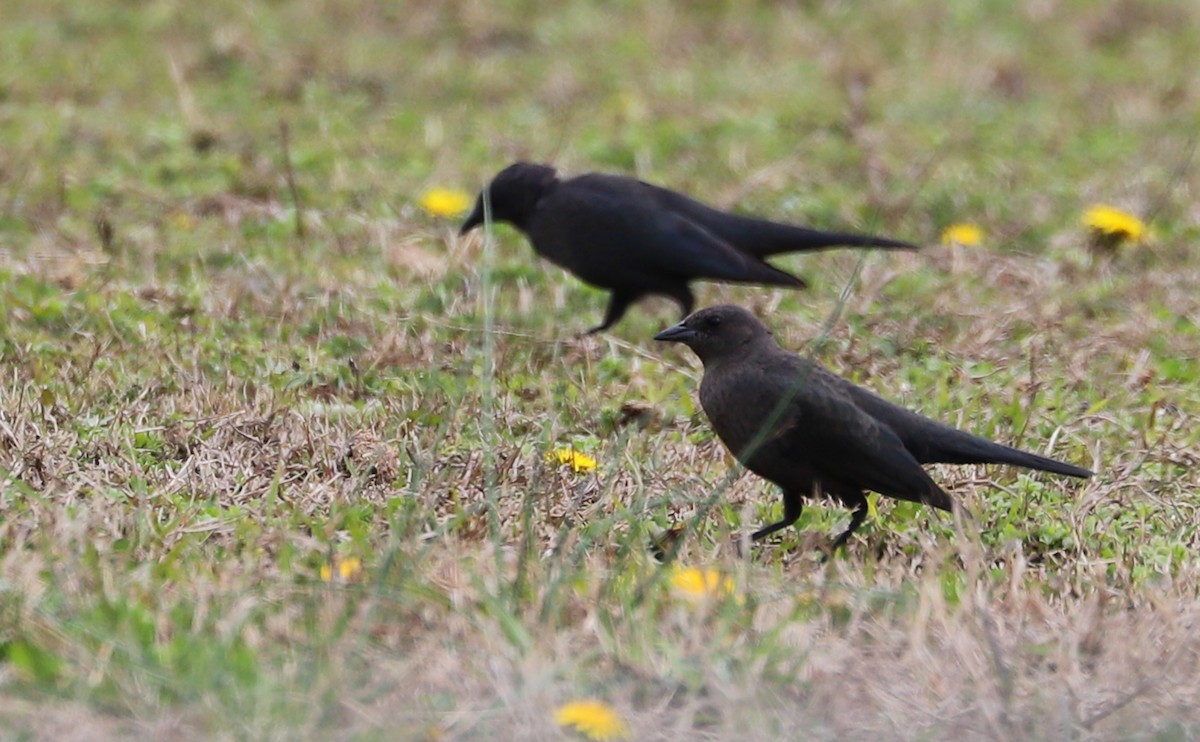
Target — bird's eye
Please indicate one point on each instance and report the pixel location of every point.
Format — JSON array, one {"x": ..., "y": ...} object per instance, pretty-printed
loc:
[{"x": 714, "y": 320}]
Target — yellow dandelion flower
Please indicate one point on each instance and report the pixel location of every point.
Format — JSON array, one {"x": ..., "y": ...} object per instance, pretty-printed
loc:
[
  {"x": 580, "y": 462},
  {"x": 1110, "y": 223},
  {"x": 966, "y": 235},
  {"x": 593, "y": 719},
  {"x": 445, "y": 202},
  {"x": 698, "y": 584},
  {"x": 348, "y": 570}
]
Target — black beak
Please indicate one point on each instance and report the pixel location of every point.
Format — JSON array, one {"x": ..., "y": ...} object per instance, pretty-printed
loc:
[
  {"x": 679, "y": 333},
  {"x": 474, "y": 220}
]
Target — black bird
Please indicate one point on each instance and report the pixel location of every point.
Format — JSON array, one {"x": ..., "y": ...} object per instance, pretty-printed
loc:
[
  {"x": 812, "y": 432},
  {"x": 634, "y": 238}
]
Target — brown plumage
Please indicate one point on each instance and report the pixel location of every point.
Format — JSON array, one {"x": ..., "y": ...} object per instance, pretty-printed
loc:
[{"x": 810, "y": 431}]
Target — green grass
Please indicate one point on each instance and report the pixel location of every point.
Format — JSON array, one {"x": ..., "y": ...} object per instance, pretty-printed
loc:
[{"x": 203, "y": 408}]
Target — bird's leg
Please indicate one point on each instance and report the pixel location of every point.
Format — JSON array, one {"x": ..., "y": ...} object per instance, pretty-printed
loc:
[
  {"x": 618, "y": 302},
  {"x": 793, "y": 504},
  {"x": 856, "y": 519}
]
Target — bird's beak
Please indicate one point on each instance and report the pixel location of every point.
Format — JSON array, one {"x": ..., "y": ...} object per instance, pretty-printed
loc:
[
  {"x": 474, "y": 220},
  {"x": 679, "y": 333}
]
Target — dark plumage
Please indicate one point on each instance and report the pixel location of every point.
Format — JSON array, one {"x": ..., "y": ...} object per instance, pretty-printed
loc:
[
  {"x": 810, "y": 431},
  {"x": 635, "y": 239}
]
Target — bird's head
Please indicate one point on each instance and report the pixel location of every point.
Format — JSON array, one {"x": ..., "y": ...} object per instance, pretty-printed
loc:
[
  {"x": 514, "y": 194},
  {"x": 717, "y": 332}
]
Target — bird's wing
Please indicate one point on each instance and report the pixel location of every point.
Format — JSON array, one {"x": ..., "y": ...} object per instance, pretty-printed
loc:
[
  {"x": 844, "y": 442},
  {"x": 611, "y": 227}
]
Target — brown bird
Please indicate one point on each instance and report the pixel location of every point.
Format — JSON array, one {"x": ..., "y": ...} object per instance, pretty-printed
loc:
[
  {"x": 812, "y": 432},
  {"x": 634, "y": 238}
]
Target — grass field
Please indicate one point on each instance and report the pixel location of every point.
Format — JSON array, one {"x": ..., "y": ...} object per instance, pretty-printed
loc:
[{"x": 274, "y": 448}]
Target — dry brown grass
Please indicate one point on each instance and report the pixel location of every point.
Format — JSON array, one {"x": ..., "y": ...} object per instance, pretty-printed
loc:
[{"x": 1038, "y": 643}]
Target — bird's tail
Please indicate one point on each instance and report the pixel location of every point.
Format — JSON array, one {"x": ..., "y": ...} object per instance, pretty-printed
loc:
[
  {"x": 763, "y": 239},
  {"x": 969, "y": 449},
  {"x": 933, "y": 442}
]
